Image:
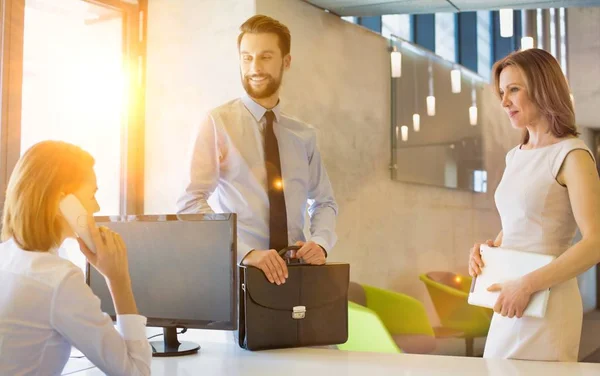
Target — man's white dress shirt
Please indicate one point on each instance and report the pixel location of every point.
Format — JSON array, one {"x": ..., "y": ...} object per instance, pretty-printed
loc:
[{"x": 227, "y": 165}]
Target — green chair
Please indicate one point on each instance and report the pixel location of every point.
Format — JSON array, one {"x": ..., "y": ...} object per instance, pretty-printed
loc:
[
  {"x": 366, "y": 332},
  {"x": 449, "y": 293},
  {"x": 402, "y": 317}
]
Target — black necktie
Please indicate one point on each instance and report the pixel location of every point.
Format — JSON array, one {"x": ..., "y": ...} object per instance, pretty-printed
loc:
[{"x": 278, "y": 234}]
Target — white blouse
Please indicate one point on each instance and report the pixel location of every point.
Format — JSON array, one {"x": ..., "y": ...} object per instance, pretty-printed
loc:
[{"x": 46, "y": 307}]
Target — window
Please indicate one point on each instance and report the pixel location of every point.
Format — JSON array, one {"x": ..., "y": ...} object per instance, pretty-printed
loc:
[
  {"x": 350, "y": 19},
  {"x": 563, "y": 40},
  {"x": 540, "y": 28},
  {"x": 83, "y": 75},
  {"x": 445, "y": 35},
  {"x": 396, "y": 24},
  {"x": 73, "y": 85},
  {"x": 553, "y": 36},
  {"x": 480, "y": 181},
  {"x": 484, "y": 46}
]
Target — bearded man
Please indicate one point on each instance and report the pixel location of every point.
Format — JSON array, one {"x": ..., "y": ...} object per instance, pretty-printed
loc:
[{"x": 251, "y": 159}]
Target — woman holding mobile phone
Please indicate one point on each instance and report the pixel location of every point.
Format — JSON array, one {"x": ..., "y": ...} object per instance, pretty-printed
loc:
[{"x": 45, "y": 305}]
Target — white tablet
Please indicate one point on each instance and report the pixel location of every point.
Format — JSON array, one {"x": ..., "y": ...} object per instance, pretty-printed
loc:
[{"x": 501, "y": 265}]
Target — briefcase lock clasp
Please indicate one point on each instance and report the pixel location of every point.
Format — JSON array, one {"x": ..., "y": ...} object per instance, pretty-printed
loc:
[{"x": 299, "y": 312}]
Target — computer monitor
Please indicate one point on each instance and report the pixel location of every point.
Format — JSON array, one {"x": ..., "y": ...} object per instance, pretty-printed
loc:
[{"x": 183, "y": 273}]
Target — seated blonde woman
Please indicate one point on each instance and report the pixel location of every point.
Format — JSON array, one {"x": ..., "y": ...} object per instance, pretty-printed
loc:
[{"x": 45, "y": 305}]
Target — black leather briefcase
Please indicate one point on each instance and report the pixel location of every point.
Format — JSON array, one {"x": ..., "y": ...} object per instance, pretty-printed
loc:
[{"x": 309, "y": 309}]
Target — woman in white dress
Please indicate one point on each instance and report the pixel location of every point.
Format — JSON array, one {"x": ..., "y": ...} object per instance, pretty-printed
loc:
[{"x": 550, "y": 187}]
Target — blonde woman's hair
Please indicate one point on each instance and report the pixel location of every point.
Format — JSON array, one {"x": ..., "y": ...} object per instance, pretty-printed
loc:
[
  {"x": 547, "y": 88},
  {"x": 46, "y": 172}
]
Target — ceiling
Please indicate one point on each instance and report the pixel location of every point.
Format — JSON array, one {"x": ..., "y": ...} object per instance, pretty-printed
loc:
[{"x": 380, "y": 7}]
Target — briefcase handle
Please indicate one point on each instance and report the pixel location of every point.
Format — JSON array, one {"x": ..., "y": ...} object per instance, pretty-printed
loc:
[{"x": 285, "y": 253}]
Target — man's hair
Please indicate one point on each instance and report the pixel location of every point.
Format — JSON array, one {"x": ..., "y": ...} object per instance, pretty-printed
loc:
[{"x": 265, "y": 24}]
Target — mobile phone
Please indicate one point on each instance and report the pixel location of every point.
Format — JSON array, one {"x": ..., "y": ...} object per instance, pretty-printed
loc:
[{"x": 76, "y": 216}]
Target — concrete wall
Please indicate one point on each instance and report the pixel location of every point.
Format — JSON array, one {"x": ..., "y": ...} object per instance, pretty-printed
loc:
[
  {"x": 583, "y": 69},
  {"x": 192, "y": 66}
]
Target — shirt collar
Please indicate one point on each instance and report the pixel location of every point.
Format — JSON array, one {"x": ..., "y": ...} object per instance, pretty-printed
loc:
[{"x": 258, "y": 111}]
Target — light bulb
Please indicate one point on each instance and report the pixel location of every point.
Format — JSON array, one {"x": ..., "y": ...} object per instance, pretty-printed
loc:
[
  {"x": 455, "y": 80},
  {"x": 526, "y": 43},
  {"x": 506, "y": 23},
  {"x": 431, "y": 105},
  {"x": 396, "y": 58},
  {"x": 473, "y": 115},
  {"x": 416, "y": 122}
]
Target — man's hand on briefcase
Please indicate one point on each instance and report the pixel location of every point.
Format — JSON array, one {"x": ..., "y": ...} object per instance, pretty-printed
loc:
[
  {"x": 270, "y": 263},
  {"x": 311, "y": 253}
]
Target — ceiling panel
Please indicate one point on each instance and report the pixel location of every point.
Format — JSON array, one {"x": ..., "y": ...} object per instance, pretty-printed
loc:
[
  {"x": 469, "y": 5},
  {"x": 380, "y": 7}
]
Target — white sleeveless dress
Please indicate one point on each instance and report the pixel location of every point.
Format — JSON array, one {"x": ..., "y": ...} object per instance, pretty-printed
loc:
[{"x": 536, "y": 216}]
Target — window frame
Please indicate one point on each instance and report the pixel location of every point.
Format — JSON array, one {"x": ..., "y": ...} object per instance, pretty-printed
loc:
[{"x": 12, "y": 15}]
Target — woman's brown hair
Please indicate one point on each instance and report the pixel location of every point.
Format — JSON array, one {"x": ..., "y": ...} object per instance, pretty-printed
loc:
[{"x": 547, "y": 88}]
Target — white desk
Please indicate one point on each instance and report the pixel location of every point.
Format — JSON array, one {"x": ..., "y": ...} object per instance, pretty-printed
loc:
[{"x": 221, "y": 357}]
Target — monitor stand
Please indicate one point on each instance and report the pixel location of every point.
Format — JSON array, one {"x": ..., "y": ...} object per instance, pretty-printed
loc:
[{"x": 170, "y": 345}]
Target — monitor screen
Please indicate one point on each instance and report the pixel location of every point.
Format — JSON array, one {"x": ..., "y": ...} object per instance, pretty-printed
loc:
[{"x": 183, "y": 269}]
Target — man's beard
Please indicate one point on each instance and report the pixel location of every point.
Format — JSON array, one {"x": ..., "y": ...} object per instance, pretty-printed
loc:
[{"x": 271, "y": 88}]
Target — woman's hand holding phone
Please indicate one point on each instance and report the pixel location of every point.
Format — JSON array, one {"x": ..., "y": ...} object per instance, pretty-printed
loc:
[
  {"x": 77, "y": 218},
  {"x": 110, "y": 258}
]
